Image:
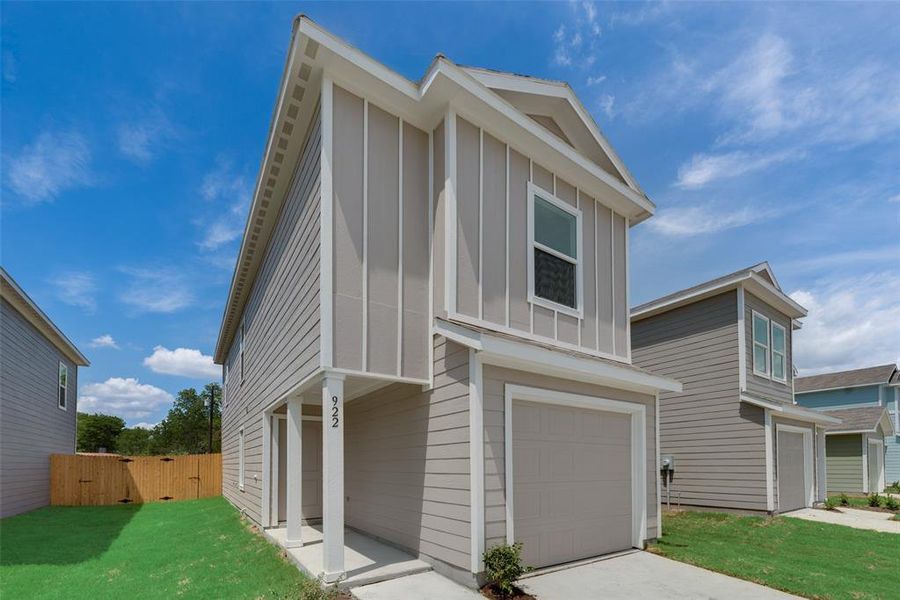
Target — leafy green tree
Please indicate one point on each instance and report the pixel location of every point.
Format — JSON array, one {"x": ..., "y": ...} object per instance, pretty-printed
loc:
[
  {"x": 185, "y": 430},
  {"x": 135, "y": 441},
  {"x": 98, "y": 431}
]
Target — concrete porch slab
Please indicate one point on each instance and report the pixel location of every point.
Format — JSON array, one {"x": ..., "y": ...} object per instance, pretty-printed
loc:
[
  {"x": 850, "y": 517},
  {"x": 424, "y": 586},
  {"x": 366, "y": 560}
]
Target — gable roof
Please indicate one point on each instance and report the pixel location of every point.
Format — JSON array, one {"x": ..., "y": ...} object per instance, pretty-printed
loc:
[
  {"x": 758, "y": 279},
  {"x": 860, "y": 420},
  {"x": 845, "y": 379},
  {"x": 22, "y": 302},
  {"x": 314, "y": 52}
]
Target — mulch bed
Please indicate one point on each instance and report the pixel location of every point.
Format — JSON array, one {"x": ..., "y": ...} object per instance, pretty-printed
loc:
[{"x": 489, "y": 591}]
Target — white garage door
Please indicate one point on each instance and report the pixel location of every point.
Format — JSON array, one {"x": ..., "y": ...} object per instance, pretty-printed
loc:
[{"x": 571, "y": 482}]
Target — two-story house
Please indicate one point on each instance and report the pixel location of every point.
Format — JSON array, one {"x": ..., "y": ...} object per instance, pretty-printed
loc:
[
  {"x": 38, "y": 398},
  {"x": 863, "y": 452},
  {"x": 426, "y": 338},
  {"x": 732, "y": 438}
]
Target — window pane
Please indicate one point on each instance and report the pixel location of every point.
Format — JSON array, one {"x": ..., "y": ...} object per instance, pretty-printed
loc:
[
  {"x": 777, "y": 339},
  {"x": 554, "y": 278},
  {"x": 778, "y": 366},
  {"x": 63, "y": 374},
  {"x": 759, "y": 359},
  {"x": 554, "y": 227},
  {"x": 760, "y": 330},
  {"x": 62, "y": 397}
]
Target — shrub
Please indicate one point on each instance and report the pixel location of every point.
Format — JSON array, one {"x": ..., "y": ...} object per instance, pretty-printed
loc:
[
  {"x": 503, "y": 566},
  {"x": 891, "y": 503},
  {"x": 874, "y": 499},
  {"x": 829, "y": 503},
  {"x": 894, "y": 487},
  {"x": 845, "y": 501}
]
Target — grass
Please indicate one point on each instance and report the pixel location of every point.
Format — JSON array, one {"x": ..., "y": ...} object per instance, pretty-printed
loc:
[
  {"x": 189, "y": 549},
  {"x": 815, "y": 560},
  {"x": 860, "y": 502}
]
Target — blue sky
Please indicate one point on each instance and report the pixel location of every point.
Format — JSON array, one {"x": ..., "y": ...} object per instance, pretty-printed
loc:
[{"x": 131, "y": 135}]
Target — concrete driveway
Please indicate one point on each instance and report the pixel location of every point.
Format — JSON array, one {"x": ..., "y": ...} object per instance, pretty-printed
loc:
[
  {"x": 643, "y": 575},
  {"x": 851, "y": 517}
]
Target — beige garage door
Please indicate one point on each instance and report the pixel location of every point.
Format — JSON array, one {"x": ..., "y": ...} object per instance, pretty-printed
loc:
[
  {"x": 792, "y": 483},
  {"x": 571, "y": 482}
]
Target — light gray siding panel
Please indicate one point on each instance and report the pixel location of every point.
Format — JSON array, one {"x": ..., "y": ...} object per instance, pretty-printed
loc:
[
  {"x": 589, "y": 323},
  {"x": 620, "y": 277},
  {"x": 495, "y": 380},
  {"x": 494, "y": 238},
  {"x": 519, "y": 309},
  {"x": 407, "y": 461},
  {"x": 844, "y": 463},
  {"x": 282, "y": 329},
  {"x": 468, "y": 247},
  {"x": 439, "y": 206},
  {"x": 604, "y": 279},
  {"x": 416, "y": 334},
  {"x": 756, "y": 384},
  {"x": 718, "y": 442},
  {"x": 32, "y": 426}
]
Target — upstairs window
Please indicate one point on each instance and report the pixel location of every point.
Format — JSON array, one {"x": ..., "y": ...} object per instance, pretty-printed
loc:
[
  {"x": 760, "y": 344},
  {"x": 554, "y": 252},
  {"x": 779, "y": 345},
  {"x": 63, "y": 386}
]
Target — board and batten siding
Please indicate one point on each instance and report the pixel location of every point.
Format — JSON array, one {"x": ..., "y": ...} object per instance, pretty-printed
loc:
[
  {"x": 494, "y": 380},
  {"x": 381, "y": 237},
  {"x": 281, "y": 325},
  {"x": 32, "y": 426},
  {"x": 491, "y": 253},
  {"x": 759, "y": 385},
  {"x": 717, "y": 441},
  {"x": 407, "y": 462},
  {"x": 844, "y": 463}
]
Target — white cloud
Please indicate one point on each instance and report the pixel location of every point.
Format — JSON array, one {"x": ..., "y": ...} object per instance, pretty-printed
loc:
[
  {"x": 595, "y": 80},
  {"x": 895, "y": 199},
  {"x": 229, "y": 194},
  {"x": 104, "y": 341},
  {"x": 186, "y": 362},
  {"x": 706, "y": 168},
  {"x": 852, "y": 323},
  {"x": 142, "y": 138},
  {"x": 77, "y": 289},
  {"x": 607, "y": 102},
  {"x": 887, "y": 255},
  {"x": 156, "y": 290},
  {"x": 125, "y": 397},
  {"x": 144, "y": 425},
  {"x": 52, "y": 164},
  {"x": 575, "y": 41},
  {"x": 698, "y": 220}
]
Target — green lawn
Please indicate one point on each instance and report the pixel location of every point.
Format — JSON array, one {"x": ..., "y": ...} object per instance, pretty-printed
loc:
[
  {"x": 860, "y": 502},
  {"x": 190, "y": 549},
  {"x": 815, "y": 560}
]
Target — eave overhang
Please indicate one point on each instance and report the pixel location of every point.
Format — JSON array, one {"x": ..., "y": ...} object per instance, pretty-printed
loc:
[{"x": 790, "y": 411}]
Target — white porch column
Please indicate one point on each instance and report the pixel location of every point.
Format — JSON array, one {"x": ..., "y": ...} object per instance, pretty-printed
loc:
[
  {"x": 333, "y": 476},
  {"x": 821, "y": 475},
  {"x": 294, "y": 469}
]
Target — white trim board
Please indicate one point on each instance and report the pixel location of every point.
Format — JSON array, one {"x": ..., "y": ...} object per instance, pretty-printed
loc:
[
  {"x": 638, "y": 413},
  {"x": 791, "y": 411},
  {"x": 476, "y": 459}
]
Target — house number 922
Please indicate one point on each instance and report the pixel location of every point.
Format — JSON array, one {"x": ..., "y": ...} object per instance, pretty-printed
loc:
[{"x": 335, "y": 414}]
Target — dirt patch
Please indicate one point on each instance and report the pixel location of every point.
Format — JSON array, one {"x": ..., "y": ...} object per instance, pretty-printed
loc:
[{"x": 489, "y": 591}]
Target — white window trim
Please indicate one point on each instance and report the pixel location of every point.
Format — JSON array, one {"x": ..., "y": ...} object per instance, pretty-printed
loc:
[
  {"x": 578, "y": 311},
  {"x": 768, "y": 346},
  {"x": 638, "y": 413},
  {"x": 65, "y": 404},
  {"x": 808, "y": 458},
  {"x": 774, "y": 352},
  {"x": 241, "y": 459}
]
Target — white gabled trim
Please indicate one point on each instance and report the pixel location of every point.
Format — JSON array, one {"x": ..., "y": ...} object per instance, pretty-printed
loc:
[
  {"x": 809, "y": 458},
  {"x": 791, "y": 411},
  {"x": 326, "y": 245},
  {"x": 527, "y": 357},
  {"x": 742, "y": 339},
  {"x": 770, "y": 462},
  {"x": 638, "y": 413},
  {"x": 450, "y": 217},
  {"x": 476, "y": 459}
]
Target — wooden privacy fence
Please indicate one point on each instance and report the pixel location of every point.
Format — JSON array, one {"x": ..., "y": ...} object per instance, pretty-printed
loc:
[{"x": 78, "y": 480}]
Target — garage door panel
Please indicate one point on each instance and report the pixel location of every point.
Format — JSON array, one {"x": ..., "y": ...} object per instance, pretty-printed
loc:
[{"x": 791, "y": 471}]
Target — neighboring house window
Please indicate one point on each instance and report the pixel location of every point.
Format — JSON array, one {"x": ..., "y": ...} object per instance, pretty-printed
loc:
[
  {"x": 555, "y": 252},
  {"x": 760, "y": 344},
  {"x": 779, "y": 345},
  {"x": 241, "y": 458},
  {"x": 63, "y": 386},
  {"x": 242, "y": 352}
]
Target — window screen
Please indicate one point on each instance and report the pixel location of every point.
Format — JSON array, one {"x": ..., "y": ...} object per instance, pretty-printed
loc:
[
  {"x": 554, "y": 278},
  {"x": 555, "y": 253}
]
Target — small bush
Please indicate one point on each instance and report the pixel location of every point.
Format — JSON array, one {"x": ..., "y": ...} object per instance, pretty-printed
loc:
[
  {"x": 891, "y": 503},
  {"x": 314, "y": 589},
  {"x": 829, "y": 504},
  {"x": 503, "y": 566},
  {"x": 894, "y": 487},
  {"x": 845, "y": 501},
  {"x": 874, "y": 500}
]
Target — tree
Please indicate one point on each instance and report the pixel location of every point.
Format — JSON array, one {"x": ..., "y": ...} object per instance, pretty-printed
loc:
[
  {"x": 185, "y": 430},
  {"x": 98, "y": 431},
  {"x": 135, "y": 441}
]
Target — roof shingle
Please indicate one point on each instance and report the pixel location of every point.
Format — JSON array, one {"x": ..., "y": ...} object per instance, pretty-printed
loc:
[
  {"x": 855, "y": 419},
  {"x": 844, "y": 379}
]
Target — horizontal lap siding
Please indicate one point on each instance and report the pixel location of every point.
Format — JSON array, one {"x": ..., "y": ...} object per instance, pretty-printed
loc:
[
  {"x": 844, "y": 463},
  {"x": 756, "y": 384},
  {"x": 407, "y": 461},
  {"x": 892, "y": 458},
  {"x": 281, "y": 322},
  {"x": 717, "y": 442},
  {"x": 32, "y": 427},
  {"x": 495, "y": 380}
]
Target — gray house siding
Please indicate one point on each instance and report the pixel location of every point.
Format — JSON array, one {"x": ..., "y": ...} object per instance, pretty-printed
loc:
[
  {"x": 491, "y": 186},
  {"x": 495, "y": 380},
  {"x": 281, "y": 324},
  {"x": 844, "y": 463},
  {"x": 717, "y": 441},
  {"x": 407, "y": 462},
  {"x": 757, "y": 384},
  {"x": 32, "y": 426}
]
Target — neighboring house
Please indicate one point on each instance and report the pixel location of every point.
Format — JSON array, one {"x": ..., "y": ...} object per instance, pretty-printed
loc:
[
  {"x": 868, "y": 401},
  {"x": 444, "y": 265},
  {"x": 38, "y": 399},
  {"x": 734, "y": 434}
]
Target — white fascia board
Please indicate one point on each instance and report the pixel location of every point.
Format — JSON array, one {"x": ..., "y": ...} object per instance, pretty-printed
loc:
[
  {"x": 774, "y": 296},
  {"x": 528, "y": 357},
  {"x": 791, "y": 411},
  {"x": 655, "y": 308}
]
